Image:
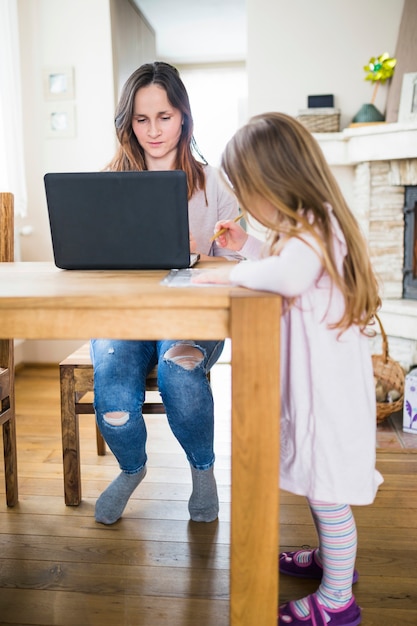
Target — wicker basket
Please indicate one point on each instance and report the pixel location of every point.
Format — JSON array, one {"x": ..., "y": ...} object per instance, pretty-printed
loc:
[
  {"x": 391, "y": 374},
  {"x": 320, "y": 120}
]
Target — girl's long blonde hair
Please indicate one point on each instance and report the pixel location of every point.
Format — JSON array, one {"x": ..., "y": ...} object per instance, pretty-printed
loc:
[{"x": 276, "y": 158}]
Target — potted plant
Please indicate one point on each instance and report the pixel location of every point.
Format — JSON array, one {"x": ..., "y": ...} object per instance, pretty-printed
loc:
[{"x": 378, "y": 71}]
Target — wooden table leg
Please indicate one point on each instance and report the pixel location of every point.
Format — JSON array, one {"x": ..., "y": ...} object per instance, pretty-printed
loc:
[
  {"x": 255, "y": 460},
  {"x": 10, "y": 459},
  {"x": 70, "y": 438},
  {"x": 8, "y": 418}
]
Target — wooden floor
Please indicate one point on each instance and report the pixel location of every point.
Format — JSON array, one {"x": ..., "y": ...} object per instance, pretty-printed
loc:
[{"x": 155, "y": 567}]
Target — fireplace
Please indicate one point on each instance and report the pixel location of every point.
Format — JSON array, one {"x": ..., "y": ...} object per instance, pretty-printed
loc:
[
  {"x": 378, "y": 166},
  {"x": 386, "y": 213},
  {"x": 410, "y": 243}
]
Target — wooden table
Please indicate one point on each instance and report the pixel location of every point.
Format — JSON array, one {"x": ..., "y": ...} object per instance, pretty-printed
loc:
[{"x": 38, "y": 301}]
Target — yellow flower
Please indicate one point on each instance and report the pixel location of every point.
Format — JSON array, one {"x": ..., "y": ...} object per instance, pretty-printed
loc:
[{"x": 379, "y": 69}]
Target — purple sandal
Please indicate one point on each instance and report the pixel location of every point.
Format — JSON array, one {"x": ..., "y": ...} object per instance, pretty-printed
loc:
[
  {"x": 312, "y": 569},
  {"x": 349, "y": 615}
]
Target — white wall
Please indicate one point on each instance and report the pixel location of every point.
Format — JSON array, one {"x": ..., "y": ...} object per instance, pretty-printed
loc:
[
  {"x": 306, "y": 47},
  {"x": 218, "y": 99},
  {"x": 68, "y": 33}
]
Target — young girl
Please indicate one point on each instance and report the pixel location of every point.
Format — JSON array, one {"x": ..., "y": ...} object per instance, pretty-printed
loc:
[
  {"x": 317, "y": 260},
  {"x": 154, "y": 127}
]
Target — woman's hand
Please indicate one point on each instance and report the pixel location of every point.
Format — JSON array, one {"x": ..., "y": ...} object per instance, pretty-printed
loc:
[
  {"x": 202, "y": 257},
  {"x": 234, "y": 236},
  {"x": 193, "y": 244},
  {"x": 219, "y": 277}
]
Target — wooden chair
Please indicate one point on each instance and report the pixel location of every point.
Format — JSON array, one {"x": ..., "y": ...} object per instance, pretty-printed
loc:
[
  {"x": 7, "y": 390},
  {"x": 76, "y": 383}
]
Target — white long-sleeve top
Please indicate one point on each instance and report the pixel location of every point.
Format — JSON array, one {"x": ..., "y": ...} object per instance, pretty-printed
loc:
[{"x": 328, "y": 406}]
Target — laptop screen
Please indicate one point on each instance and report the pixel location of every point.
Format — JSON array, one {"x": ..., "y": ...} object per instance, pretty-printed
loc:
[{"x": 119, "y": 220}]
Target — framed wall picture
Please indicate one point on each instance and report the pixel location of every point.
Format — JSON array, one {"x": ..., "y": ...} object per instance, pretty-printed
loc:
[
  {"x": 408, "y": 101},
  {"x": 58, "y": 83},
  {"x": 60, "y": 120}
]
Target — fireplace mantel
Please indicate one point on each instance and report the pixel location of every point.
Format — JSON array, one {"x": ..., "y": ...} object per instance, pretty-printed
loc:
[{"x": 373, "y": 142}]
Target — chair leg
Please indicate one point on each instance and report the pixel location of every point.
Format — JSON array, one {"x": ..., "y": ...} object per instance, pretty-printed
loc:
[
  {"x": 101, "y": 444},
  {"x": 70, "y": 438},
  {"x": 10, "y": 460}
]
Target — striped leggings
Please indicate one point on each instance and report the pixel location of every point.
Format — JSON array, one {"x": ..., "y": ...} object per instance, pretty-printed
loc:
[{"x": 336, "y": 529}]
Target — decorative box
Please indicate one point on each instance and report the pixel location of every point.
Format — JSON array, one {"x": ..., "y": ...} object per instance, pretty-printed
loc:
[
  {"x": 320, "y": 120},
  {"x": 410, "y": 403}
]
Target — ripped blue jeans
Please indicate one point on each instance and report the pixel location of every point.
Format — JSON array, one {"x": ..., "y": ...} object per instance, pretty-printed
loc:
[{"x": 120, "y": 371}]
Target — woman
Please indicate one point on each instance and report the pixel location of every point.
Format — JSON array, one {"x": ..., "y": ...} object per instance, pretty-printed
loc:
[{"x": 154, "y": 127}]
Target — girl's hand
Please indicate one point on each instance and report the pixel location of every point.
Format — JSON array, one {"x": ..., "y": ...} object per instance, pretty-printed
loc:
[
  {"x": 234, "y": 236},
  {"x": 219, "y": 277}
]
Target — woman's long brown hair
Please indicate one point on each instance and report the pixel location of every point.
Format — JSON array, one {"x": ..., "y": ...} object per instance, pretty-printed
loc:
[
  {"x": 275, "y": 157},
  {"x": 130, "y": 155}
]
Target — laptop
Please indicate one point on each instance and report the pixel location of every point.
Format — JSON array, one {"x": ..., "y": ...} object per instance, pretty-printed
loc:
[{"x": 119, "y": 220}]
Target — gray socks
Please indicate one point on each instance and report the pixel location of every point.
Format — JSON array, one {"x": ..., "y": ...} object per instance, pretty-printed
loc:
[
  {"x": 204, "y": 502},
  {"x": 112, "y": 502}
]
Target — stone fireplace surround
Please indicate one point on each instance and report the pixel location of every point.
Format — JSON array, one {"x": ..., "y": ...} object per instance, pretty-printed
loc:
[{"x": 383, "y": 158}]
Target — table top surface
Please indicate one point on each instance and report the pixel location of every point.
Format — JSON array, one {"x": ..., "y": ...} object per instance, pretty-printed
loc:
[
  {"x": 27, "y": 284},
  {"x": 40, "y": 301},
  {"x": 24, "y": 284}
]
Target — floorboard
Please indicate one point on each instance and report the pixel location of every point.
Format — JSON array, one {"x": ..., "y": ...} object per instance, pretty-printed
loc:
[{"x": 154, "y": 567}]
